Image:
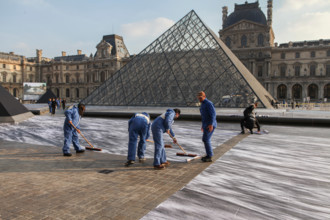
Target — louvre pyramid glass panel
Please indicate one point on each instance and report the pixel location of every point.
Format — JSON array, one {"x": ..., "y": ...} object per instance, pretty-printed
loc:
[{"x": 186, "y": 59}]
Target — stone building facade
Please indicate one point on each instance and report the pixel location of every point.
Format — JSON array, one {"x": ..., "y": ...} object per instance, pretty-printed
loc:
[
  {"x": 290, "y": 71},
  {"x": 71, "y": 77}
]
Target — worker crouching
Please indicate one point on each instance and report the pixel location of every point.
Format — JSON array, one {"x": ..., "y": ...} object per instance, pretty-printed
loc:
[
  {"x": 138, "y": 125},
  {"x": 72, "y": 117}
]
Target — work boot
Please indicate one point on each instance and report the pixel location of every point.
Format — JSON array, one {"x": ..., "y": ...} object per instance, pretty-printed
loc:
[
  {"x": 67, "y": 154},
  {"x": 251, "y": 131},
  {"x": 142, "y": 160},
  {"x": 80, "y": 151},
  {"x": 159, "y": 167},
  {"x": 242, "y": 132},
  {"x": 129, "y": 162},
  {"x": 166, "y": 164},
  {"x": 206, "y": 159}
]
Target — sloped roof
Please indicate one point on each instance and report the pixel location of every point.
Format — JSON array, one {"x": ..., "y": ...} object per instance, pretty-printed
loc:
[{"x": 186, "y": 59}]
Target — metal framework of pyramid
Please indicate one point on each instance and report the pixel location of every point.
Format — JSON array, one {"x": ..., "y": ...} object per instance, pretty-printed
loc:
[{"x": 184, "y": 60}]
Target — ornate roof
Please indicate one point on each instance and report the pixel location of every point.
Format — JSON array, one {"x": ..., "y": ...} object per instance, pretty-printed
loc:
[{"x": 247, "y": 11}]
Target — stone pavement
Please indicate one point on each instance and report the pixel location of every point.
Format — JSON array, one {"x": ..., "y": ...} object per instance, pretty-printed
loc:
[{"x": 37, "y": 182}]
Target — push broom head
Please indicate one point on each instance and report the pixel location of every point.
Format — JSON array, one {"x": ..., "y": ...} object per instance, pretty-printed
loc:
[
  {"x": 186, "y": 155},
  {"x": 93, "y": 148},
  {"x": 168, "y": 146}
]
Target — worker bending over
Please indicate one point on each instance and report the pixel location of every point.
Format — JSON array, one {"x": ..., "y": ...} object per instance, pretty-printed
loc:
[{"x": 138, "y": 125}]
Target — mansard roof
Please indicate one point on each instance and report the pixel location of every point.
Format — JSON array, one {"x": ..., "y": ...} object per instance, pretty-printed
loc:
[
  {"x": 72, "y": 58},
  {"x": 247, "y": 11}
]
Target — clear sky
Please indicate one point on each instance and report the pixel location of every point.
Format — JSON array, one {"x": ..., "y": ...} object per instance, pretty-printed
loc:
[{"x": 68, "y": 25}]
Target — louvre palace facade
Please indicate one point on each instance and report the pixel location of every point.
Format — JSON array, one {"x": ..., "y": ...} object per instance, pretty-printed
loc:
[
  {"x": 297, "y": 71},
  {"x": 71, "y": 77},
  {"x": 290, "y": 71}
]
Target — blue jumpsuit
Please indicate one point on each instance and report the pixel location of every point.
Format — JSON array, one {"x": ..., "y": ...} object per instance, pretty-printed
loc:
[
  {"x": 158, "y": 127},
  {"x": 50, "y": 106},
  {"x": 71, "y": 134},
  {"x": 138, "y": 125},
  {"x": 208, "y": 118}
]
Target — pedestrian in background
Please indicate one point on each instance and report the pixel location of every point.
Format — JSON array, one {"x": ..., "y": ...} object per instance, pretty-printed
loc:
[
  {"x": 209, "y": 123},
  {"x": 63, "y": 104},
  {"x": 53, "y": 106}
]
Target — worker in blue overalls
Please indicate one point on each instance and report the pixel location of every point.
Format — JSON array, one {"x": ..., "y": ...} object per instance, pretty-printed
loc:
[
  {"x": 50, "y": 105},
  {"x": 72, "y": 119},
  {"x": 138, "y": 125},
  {"x": 209, "y": 123},
  {"x": 160, "y": 125}
]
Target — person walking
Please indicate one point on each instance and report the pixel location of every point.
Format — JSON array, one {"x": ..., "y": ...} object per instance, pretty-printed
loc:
[
  {"x": 138, "y": 125},
  {"x": 53, "y": 106},
  {"x": 250, "y": 120},
  {"x": 209, "y": 123},
  {"x": 72, "y": 118},
  {"x": 160, "y": 125},
  {"x": 58, "y": 103},
  {"x": 50, "y": 105},
  {"x": 63, "y": 104}
]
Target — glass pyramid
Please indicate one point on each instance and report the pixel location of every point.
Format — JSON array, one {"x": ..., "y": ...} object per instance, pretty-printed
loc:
[{"x": 186, "y": 59}]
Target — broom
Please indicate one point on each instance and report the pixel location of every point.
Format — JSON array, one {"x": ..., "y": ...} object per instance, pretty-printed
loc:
[
  {"x": 184, "y": 152},
  {"x": 166, "y": 145},
  {"x": 91, "y": 146}
]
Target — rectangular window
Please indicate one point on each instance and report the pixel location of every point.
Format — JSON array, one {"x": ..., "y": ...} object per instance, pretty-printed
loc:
[
  {"x": 30, "y": 68},
  {"x": 297, "y": 55},
  {"x": 312, "y": 70},
  {"x": 77, "y": 67},
  {"x": 3, "y": 65},
  {"x": 328, "y": 70},
  {"x": 14, "y": 78},
  {"x": 4, "y": 78},
  {"x": 67, "y": 67},
  {"x": 259, "y": 71},
  {"x": 14, "y": 67},
  {"x": 282, "y": 71},
  {"x": 297, "y": 70},
  {"x": 313, "y": 54},
  {"x": 282, "y": 55},
  {"x": 328, "y": 53}
]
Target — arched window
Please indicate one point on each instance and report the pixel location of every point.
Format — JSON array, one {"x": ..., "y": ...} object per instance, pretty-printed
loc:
[
  {"x": 312, "y": 91},
  {"x": 77, "y": 92},
  {"x": 67, "y": 79},
  {"x": 327, "y": 91},
  {"x": 102, "y": 76},
  {"x": 14, "y": 78},
  {"x": 67, "y": 93},
  {"x": 58, "y": 92},
  {"x": 281, "y": 91},
  {"x": 4, "y": 77},
  {"x": 260, "y": 40},
  {"x": 228, "y": 42},
  {"x": 243, "y": 41},
  {"x": 296, "y": 91}
]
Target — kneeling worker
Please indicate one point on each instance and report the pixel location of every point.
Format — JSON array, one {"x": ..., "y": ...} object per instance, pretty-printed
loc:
[
  {"x": 160, "y": 125},
  {"x": 138, "y": 125},
  {"x": 72, "y": 117}
]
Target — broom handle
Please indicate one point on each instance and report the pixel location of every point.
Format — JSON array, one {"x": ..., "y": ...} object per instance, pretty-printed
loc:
[
  {"x": 82, "y": 135},
  {"x": 177, "y": 143}
]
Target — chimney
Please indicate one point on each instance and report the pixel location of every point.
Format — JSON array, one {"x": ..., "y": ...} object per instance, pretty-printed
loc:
[
  {"x": 79, "y": 52},
  {"x": 39, "y": 55},
  {"x": 63, "y": 53},
  {"x": 269, "y": 12},
  {"x": 224, "y": 15}
]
